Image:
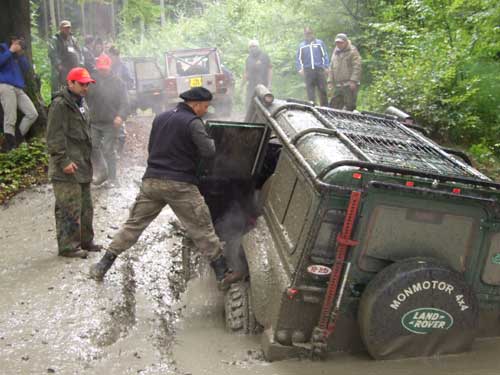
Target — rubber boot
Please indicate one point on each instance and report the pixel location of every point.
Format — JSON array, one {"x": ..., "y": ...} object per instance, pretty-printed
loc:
[
  {"x": 224, "y": 276},
  {"x": 220, "y": 267},
  {"x": 9, "y": 143},
  {"x": 98, "y": 270}
]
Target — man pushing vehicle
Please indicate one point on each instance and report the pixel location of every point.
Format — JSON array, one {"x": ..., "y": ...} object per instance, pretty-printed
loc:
[{"x": 177, "y": 142}]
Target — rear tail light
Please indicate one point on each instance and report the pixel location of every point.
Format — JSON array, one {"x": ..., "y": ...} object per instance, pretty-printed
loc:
[
  {"x": 171, "y": 87},
  {"x": 221, "y": 84},
  {"x": 357, "y": 176}
]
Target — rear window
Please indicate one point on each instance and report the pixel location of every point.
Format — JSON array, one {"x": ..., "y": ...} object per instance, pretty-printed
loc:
[
  {"x": 183, "y": 64},
  {"x": 395, "y": 233},
  {"x": 491, "y": 272}
]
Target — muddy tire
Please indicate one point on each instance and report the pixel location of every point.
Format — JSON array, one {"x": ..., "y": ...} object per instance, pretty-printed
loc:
[
  {"x": 417, "y": 307},
  {"x": 238, "y": 310}
]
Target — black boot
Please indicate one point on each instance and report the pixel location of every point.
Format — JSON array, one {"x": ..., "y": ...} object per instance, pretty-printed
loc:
[
  {"x": 98, "y": 270},
  {"x": 224, "y": 275},
  {"x": 220, "y": 267},
  {"x": 9, "y": 142}
]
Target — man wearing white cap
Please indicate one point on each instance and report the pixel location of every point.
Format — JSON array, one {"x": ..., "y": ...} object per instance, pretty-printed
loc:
[
  {"x": 258, "y": 69},
  {"x": 345, "y": 74},
  {"x": 64, "y": 54}
]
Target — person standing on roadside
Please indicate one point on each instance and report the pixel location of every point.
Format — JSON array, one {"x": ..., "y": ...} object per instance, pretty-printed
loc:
[
  {"x": 64, "y": 54},
  {"x": 70, "y": 167},
  {"x": 108, "y": 104},
  {"x": 258, "y": 70},
  {"x": 345, "y": 74},
  {"x": 88, "y": 54},
  {"x": 120, "y": 70},
  {"x": 13, "y": 65},
  {"x": 177, "y": 142},
  {"x": 312, "y": 63}
]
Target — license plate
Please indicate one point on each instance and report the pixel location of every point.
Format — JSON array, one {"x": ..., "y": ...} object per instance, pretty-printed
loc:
[{"x": 195, "y": 82}]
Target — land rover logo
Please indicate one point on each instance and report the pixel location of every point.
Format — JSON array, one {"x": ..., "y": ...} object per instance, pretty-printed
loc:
[
  {"x": 319, "y": 270},
  {"x": 426, "y": 319},
  {"x": 495, "y": 259}
]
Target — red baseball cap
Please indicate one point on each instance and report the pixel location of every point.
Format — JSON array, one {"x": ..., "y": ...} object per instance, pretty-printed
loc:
[
  {"x": 103, "y": 62},
  {"x": 80, "y": 75}
]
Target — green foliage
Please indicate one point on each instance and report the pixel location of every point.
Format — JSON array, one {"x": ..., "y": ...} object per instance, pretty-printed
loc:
[
  {"x": 22, "y": 167},
  {"x": 438, "y": 61},
  {"x": 41, "y": 63}
]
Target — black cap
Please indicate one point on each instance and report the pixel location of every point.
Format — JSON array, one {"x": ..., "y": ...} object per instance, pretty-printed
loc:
[{"x": 197, "y": 94}]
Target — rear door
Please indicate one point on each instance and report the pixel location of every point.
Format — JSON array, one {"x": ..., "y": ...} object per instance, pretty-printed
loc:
[
  {"x": 227, "y": 181},
  {"x": 148, "y": 77},
  {"x": 240, "y": 150}
]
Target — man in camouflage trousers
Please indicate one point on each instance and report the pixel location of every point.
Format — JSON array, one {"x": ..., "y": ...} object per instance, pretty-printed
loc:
[
  {"x": 70, "y": 169},
  {"x": 177, "y": 142},
  {"x": 345, "y": 74}
]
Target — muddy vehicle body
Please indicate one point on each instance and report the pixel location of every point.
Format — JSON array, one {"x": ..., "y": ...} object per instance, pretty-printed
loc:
[{"x": 370, "y": 236}]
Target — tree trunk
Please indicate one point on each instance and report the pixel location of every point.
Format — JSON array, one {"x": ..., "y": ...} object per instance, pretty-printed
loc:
[
  {"x": 162, "y": 14},
  {"x": 53, "y": 18},
  {"x": 46, "y": 26},
  {"x": 15, "y": 19},
  {"x": 113, "y": 25},
  {"x": 82, "y": 12}
]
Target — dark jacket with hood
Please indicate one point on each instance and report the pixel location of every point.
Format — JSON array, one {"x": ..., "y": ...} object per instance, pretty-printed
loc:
[
  {"x": 68, "y": 138},
  {"x": 177, "y": 142}
]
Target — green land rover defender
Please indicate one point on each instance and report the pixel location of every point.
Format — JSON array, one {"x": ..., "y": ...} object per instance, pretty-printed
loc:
[{"x": 365, "y": 234}]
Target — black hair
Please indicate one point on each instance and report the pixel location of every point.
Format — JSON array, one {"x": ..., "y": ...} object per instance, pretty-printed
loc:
[{"x": 13, "y": 38}]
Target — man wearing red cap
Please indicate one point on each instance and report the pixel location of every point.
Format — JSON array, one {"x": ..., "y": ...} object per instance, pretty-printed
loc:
[
  {"x": 108, "y": 104},
  {"x": 70, "y": 168}
]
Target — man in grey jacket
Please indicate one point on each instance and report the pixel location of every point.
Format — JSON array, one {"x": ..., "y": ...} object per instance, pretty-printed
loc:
[
  {"x": 345, "y": 74},
  {"x": 177, "y": 142}
]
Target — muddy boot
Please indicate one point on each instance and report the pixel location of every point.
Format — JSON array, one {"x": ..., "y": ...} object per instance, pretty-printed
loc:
[
  {"x": 98, "y": 270},
  {"x": 224, "y": 276},
  {"x": 91, "y": 246},
  {"x": 9, "y": 143},
  {"x": 74, "y": 254}
]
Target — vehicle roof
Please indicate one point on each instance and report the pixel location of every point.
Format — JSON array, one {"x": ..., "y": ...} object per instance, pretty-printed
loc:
[
  {"x": 190, "y": 51},
  {"x": 328, "y": 138}
]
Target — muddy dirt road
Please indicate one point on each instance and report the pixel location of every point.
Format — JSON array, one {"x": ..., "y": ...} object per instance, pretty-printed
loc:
[{"x": 143, "y": 319}]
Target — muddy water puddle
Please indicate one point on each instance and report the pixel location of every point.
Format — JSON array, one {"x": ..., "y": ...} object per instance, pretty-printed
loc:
[{"x": 204, "y": 346}]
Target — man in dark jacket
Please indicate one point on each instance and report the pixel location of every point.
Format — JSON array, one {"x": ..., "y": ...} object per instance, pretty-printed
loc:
[
  {"x": 108, "y": 104},
  {"x": 70, "y": 167},
  {"x": 64, "y": 54},
  {"x": 13, "y": 65},
  {"x": 312, "y": 63},
  {"x": 258, "y": 70},
  {"x": 177, "y": 142}
]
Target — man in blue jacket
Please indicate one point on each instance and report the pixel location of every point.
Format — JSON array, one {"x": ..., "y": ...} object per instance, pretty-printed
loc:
[
  {"x": 312, "y": 63},
  {"x": 13, "y": 65}
]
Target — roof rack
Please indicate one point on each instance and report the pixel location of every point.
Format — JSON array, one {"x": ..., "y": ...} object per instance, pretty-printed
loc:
[{"x": 379, "y": 143}]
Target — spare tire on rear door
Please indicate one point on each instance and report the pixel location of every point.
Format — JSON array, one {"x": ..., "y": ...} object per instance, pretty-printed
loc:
[{"x": 417, "y": 307}]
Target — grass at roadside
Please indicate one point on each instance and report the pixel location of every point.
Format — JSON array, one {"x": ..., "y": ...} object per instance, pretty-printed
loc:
[{"x": 21, "y": 168}]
